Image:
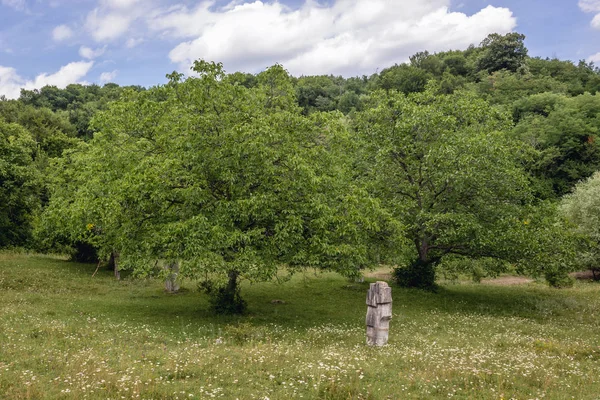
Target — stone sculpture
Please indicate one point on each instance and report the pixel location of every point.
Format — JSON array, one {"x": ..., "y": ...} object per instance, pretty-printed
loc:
[{"x": 379, "y": 313}]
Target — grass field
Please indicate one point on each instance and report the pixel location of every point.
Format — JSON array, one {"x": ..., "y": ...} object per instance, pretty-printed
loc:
[{"x": 66, "y": 335}]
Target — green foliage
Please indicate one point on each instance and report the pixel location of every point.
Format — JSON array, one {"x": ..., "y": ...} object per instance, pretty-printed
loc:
[
  {"x": 559, "y": 279},
  {"x": 419, "y": 274},
  {"x": 453, "y": 267},
  {"x": 404, "y": 78},
  {"x": 225, "y": 300},
  {"x": 19, "y": 184},
  {"x": 579, "y": 78},
  {"x": 328, "y": 93},
  {"x": 505, "y": 87},
  {"x": 457, "y": 64},
  {"x": 565, "y": 130},
  {"x": 428, "y": 62},
  {"x": 51, "y": 131},
  {"x": 227, "y": 179},
  {"x": 545, "y": 245},
  {"x": 582, "y": 211},
  {"x": 78, "y": 102},
  {"x": 447, "y": 170},
  {"x": 502, "y": 52},
  {"x": 250, "y": 173}
]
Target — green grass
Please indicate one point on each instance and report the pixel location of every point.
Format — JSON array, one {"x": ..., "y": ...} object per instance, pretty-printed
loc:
[{"x": 66, "y": 335}]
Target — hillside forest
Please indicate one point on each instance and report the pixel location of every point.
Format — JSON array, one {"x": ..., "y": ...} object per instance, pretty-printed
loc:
[{"x": 478, "y": 161}]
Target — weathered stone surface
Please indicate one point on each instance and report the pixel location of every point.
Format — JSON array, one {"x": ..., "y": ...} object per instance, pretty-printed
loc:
[
  {"x": 377, "y": 336},
  {"x": 379, "y": 313}
]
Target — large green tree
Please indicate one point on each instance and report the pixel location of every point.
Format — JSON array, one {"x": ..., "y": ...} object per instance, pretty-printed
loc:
[
  {"x": 447, "y": 170},
  {"x": 232, "y": 182}
]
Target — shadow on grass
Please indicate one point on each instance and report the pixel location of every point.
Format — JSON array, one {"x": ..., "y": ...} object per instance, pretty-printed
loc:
[
  {"x": 530, "y": 302},
  {"x": 305, "y": 301}
]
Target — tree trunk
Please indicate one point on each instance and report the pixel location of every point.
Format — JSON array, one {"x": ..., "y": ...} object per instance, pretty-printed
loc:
[
  {"x": 111, "y": 262},
  {"x": 227, "y": 299},
  {"x": 171, "y": 283},
  {"x": 420, "y": 273},
  {"x": 115, "y": 257}
]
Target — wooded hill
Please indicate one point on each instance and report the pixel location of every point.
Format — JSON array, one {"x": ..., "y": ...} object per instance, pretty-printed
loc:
[{"x": 456, "y": 160}]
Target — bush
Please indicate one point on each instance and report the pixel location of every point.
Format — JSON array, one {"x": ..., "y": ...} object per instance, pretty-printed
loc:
[
  {"x": 84, "y": 253},
  {"x": 559, "y": 279},
  {"x": 225, "y": 300},
  {"x": 416, "y": 275}
]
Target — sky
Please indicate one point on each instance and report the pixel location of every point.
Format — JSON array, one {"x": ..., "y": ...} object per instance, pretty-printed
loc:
[{"x": 137, "y": 42}]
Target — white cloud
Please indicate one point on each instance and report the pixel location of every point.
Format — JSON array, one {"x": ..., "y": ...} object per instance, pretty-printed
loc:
[
  {"x": 61, "y": 32},
  {"x": 133, "y": 42},
  {"x": 596, "y": 22},
  {"x": 89, "y": 53},
  {"x": 592, "y": 6},
  {"x": 107, "y": 26},
  {"x": 108, "y": 76},
  {"x": 18, "y": 5},
  {"x": 11, "y": 83},
  {"x": 348, "y": 37},
  {"x": 114, "y": 18},
  {"x": 594, "y": 58},
  {"x": 119, "y": 3},
  {"x": 8, "y": 85}
]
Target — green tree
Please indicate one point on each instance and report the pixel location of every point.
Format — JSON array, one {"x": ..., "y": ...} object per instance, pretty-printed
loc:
[
  {"x": 505, "y": 87},
  {"x": 404, "y": 78},
  {"x": 582, "y": 210},
  {"x": 502, "y": 52},
  {"x": 52, "y": 131},
  {"x": 565, "y": 130},
  {"x": 446, "y": 169},
  {"x": 456, "y": 63},
  {"x": 231, "y": 182},
  {"x": 19, "y": 184},
  {"x": 427, "y": 62}
]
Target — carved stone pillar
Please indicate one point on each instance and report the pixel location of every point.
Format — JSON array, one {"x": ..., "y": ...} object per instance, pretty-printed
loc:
[{"x": 379, "y": 313}]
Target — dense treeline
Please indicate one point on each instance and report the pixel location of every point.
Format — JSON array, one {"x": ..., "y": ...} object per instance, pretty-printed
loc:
[{"x": 449, "y": 158}]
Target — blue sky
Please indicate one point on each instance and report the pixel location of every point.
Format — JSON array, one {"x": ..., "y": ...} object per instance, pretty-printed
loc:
[{"x": 138, "y": 41}]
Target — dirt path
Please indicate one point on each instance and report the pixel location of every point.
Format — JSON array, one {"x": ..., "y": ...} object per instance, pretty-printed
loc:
[
  {"x": 385, "y": 274},
  {"x": 507, "y": 281},
  {"x": 583, "y": 275},
  {"x": 382, "y": 274}
]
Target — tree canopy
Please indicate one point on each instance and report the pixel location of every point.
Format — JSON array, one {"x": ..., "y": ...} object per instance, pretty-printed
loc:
[
  {"x": 19, "y": 184},
  {"x": 230, "y": 181},
  {"x": 446, "y": 168}
]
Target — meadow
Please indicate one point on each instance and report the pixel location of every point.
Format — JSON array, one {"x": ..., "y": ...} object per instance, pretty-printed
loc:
[{"x": 66, "y": 335}]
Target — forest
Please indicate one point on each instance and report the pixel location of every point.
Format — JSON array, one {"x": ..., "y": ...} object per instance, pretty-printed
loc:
[{"x": 479, "y": 161}]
